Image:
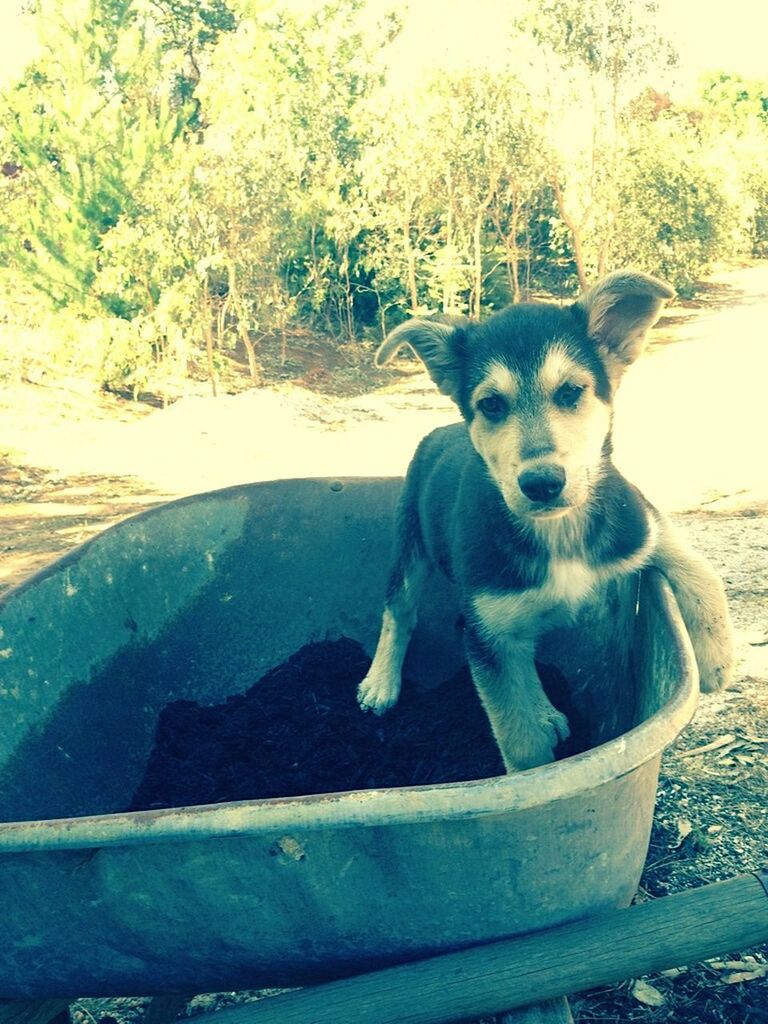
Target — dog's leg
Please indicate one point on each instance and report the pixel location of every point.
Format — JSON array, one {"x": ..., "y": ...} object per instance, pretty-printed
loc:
[
  {"x": 526, "y": 726},
  {"x": 381, "y": 687},
  {"x": 701, "y": 598}
]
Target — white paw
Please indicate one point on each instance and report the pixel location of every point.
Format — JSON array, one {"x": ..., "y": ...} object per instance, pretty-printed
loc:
[
  {"x": 558, "y": 724},
  {"x": 549, "y": 730},
  {"x": 534, "y": 741},
  {"x": 378, "y": 691}
]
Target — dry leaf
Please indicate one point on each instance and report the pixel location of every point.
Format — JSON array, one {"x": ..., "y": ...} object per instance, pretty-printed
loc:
[
  {"x": 734, "y": 965},
  {"x": 753, "y": 975},
  {"x": 674, "y": 972},
  {"x": 684, "y": 829},
  {"x": 745, "y": 759},
  {"x": 645, "y": 993},
  {"x": 726, "y": 750},
  {"x": 721, "y": 741}
]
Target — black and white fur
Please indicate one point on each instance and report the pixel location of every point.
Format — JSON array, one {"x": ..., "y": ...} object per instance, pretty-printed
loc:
[{"x": 521, "y": 506}]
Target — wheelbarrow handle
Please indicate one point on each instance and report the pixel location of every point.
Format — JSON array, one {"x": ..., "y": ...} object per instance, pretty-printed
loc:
[{"x": 490, "y": 979}]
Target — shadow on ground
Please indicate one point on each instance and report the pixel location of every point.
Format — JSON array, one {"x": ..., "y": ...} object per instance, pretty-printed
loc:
[{"x": 43, "y": 515}]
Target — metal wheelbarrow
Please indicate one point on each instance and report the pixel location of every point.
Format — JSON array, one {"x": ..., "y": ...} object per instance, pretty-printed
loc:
[{"x": 199, "y": 598}]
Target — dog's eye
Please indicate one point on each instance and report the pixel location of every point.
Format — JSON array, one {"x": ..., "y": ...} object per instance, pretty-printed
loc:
[
  {"x": 493, "y": 407},
  {"x": 567, "y": 396}
]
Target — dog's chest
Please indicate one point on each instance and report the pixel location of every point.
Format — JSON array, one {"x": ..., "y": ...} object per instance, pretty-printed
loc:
[{"x": 568, "y": 583}]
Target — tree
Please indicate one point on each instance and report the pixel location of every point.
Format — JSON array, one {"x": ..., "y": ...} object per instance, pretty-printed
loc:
[
  {"x": 191, "y": 27},
  {"x": 326, "y": 76},
  {"x": 90, "y": 122},
  {"x": 675, "y": 214},
  {"x": 451, "y": 175},
  {"x": 400, "y": 170},
  {"x": 187, "y": 177},
  {"x": 733, "y": 128},
  {"x": 597, "y": 55}
]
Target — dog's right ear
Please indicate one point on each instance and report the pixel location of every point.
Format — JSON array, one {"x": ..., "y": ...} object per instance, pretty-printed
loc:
[{"x": 438, "y": 341}]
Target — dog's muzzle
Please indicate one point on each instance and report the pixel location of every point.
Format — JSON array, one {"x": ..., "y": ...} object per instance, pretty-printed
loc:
[{"x": 542, "y": 484}]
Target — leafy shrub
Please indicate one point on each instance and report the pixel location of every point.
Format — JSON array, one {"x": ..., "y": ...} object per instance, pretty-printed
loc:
[{"x": 675, "y": 217}]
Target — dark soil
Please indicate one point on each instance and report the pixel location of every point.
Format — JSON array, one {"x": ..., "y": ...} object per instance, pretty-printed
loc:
[{"x": 299, "y": 731}]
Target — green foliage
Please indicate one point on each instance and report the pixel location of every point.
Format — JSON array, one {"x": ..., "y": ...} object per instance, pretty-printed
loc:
[
  {"x": 615, "y": 40},
  {"x": 739, "y": 103},
  {"x": 675, "y": 217},
  {"x": 87, "y": 125},
  {"x": 597, "y": 55},
  {"x": 734, "y": 130},
  {"x": 182, "y": 178},
  {"x": 192, "y": 25},
  {"x": 756, "y": 182}
]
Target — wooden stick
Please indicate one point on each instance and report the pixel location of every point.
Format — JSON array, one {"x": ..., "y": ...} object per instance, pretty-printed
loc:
[{"x": 491, "y": 979}]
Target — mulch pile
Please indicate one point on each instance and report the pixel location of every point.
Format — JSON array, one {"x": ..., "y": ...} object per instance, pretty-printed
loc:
[{"x": 299, "y": 731}]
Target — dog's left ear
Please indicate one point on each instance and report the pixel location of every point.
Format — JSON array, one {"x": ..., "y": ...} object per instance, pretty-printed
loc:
[{"x": 620, "y": 309}]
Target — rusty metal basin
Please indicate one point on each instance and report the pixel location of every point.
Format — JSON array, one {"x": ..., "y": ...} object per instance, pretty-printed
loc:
[{"x": 199, "y": 598}]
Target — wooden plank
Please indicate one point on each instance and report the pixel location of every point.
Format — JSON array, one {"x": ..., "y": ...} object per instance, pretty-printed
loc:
[
  {"x": 553, "y": 1011},
  {"x": 489, "y": 980}
]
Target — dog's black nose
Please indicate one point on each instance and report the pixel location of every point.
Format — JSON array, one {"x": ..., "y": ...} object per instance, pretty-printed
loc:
[{"x": 543, "y": 483}]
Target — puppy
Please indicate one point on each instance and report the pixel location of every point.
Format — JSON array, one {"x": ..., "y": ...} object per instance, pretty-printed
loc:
[{"x": 522, "y": 508}]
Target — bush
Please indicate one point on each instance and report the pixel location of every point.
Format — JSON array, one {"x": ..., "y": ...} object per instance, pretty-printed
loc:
[{"x": 675, "y": 216}]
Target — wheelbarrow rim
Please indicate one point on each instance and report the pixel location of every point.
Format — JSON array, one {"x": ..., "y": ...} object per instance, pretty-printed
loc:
[{"x": 406, "y": 805}]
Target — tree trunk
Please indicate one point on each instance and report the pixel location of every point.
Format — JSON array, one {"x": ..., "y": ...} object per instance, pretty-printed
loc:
[
  {"x": 513, "y": 259},
  {"x": 348, "y": 309},
  {"x": 253, "y": 363},
  {"x": 221, "y": 320},
  {"x": 610, "y": 221},
  {"x": 448, "y": 290},
  {"x": 477, "y": 249},
  {"x": 410, "y": 255},
  {"x": 208, "y": 332},
  {"x": 412, "y": 289},
  {"x": 477, "y": 259},
  {"x": 575, "y": 230},
  {"x": 242, "y": 327}
]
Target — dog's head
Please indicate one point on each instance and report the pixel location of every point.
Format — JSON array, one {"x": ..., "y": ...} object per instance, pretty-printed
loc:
[{"x": 535, "y": 383}]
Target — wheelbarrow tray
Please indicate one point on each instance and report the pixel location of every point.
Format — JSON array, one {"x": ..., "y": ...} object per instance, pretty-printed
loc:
[{"x": 199, "y": 598}]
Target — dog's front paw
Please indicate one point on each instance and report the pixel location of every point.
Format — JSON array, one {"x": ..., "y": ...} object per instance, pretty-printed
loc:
[
  {"x": 378, "y": 691},
  {"x": 534, "y": 742},
  {"x": 558, "y": 723}
]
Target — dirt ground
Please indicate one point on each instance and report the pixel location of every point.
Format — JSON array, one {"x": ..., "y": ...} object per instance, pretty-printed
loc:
[{"x": 690, "y": 430}]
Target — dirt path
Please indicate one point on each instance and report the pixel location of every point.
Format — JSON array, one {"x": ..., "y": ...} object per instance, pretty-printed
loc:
[{"x": 692, "y": 418}]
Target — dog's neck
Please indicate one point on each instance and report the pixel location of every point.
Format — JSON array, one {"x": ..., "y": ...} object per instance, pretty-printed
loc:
[{"x": 565, "y": 536}]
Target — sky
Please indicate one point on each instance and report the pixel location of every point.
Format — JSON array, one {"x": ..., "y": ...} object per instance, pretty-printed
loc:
[{"x": 730, "y": 36}]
